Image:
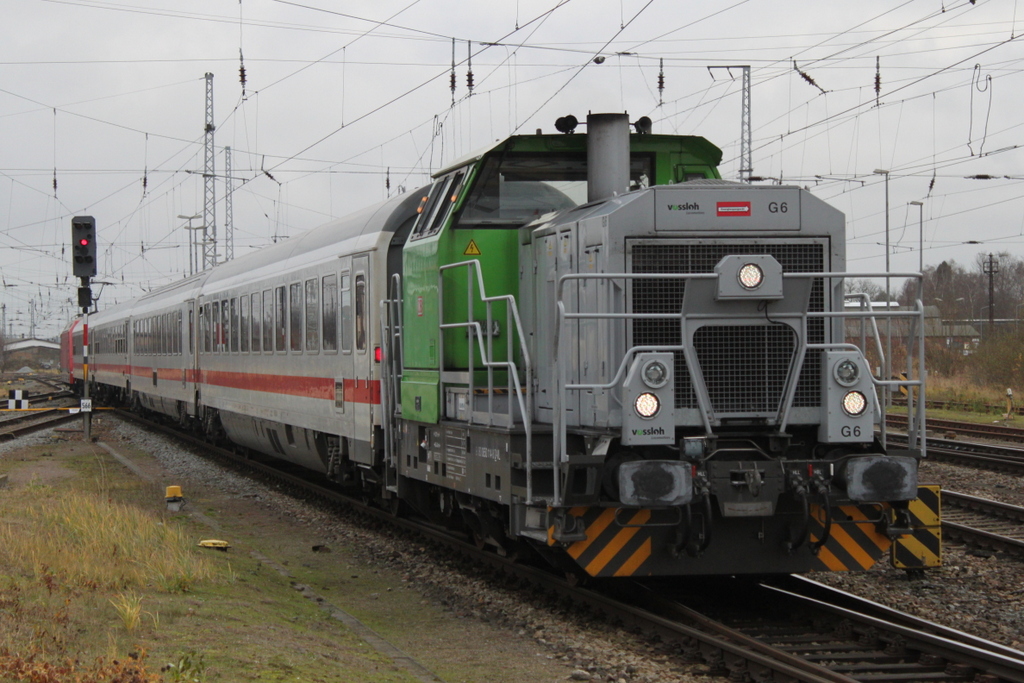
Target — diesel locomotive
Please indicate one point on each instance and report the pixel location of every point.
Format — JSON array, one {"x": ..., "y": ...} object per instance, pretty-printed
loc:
[{"x": 585, "y": 344}]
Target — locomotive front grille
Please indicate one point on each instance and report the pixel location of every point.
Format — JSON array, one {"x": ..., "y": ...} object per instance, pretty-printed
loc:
[
  {"x": 730, "y": 362},
  {"x": 745, "y": 366}
]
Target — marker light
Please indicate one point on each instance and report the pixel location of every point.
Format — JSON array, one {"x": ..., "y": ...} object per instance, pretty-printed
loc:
[
  {"x": 378, "y": 354},
  {"x": 655, "y": 374},
  {"x": 847, "y": 372},
  {"x": 854, "y": 403},
  {"x": 751, "y": 276},
  {"x": 647, "y": 405}
]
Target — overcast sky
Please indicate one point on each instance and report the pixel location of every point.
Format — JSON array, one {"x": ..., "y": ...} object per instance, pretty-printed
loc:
[{"x": 346, "y": 102}]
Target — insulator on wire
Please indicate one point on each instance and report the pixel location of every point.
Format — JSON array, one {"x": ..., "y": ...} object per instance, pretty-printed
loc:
[
  {"x": 661, "y": 81},
  {"x": 807, "y": 77},
  {"x": 878, "y": 80},
  {"x": 387, "y": 179},
  {"x": 241, "y": 70},
  {"x": 469, "y": 63},
  {"x": 452, "y": 76},
  {"x": 55, "y": 182}
]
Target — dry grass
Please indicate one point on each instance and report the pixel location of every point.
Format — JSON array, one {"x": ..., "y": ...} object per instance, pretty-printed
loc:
[
  {"x": 129, "y": 608},
  {"x": 86, "y": 541},
  {"x": 965, "y": 390}
]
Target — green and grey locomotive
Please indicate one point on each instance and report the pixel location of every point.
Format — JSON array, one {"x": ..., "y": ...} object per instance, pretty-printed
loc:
[{"x": 585, "y": 344}]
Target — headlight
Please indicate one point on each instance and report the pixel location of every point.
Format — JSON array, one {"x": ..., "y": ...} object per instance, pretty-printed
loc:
[
  {"x": 751, "y": 276},
  {"x": 854, "y": 403},
  {"x": 847, "y": 372},
  {"x": 655, "y": 374},
  {"x": 647, "y": 405}
]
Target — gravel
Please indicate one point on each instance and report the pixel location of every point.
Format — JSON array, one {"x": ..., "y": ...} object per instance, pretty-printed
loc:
[{"x": 977, "y": 592}]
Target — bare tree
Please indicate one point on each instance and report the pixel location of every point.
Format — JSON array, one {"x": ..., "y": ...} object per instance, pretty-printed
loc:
[
  {"x": 874, "y": 291},
  {"x": 962, "y": 294},
  {"x": 3, "y": 350}
]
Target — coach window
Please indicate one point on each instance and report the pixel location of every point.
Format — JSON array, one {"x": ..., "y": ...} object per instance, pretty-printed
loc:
[
  {"x": 257, "y": 316},
  {"x": 216, "y": 328},
  {"x": 330, "y": 297},
  {"x": 234, "y": 325},
  {"x": 312, "y": 316},
  {"x": 243, "y": 323},
  {"x": 178, "y": 318},
  {"x": 204, "y": 327},
  {"x": 360, "y": 312},
  {"x": 191, "y": 331},
  {"x": 295, "y": 316},
  {"x": 225, "y": 326},
  {"x": 346, "y": 313},
  {"x": 268, "y": 321},
  {"x": 280, "y": 321}
]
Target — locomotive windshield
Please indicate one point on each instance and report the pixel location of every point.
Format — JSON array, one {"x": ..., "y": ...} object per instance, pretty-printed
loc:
[{"x": 514, "y": 189}]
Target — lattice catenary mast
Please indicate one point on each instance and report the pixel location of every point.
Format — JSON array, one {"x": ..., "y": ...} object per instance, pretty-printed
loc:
[
  {"x": 746, "y": 164},
  {"x": 229, "y": 218},
  {"x": 209, "y": 188}
]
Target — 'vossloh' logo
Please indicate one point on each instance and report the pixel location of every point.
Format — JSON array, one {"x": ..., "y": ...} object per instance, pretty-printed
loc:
[
  {"x": 649, "y": 431},
  {"x": 688, "y": 206}
]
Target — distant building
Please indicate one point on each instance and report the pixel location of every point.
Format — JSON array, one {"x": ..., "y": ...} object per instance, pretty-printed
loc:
[
  {"x": 38, "y": 354},
  {"x": 953, "y": 334}
]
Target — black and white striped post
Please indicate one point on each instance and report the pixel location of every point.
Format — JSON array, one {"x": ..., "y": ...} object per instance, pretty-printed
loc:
[{"x": 86, "y": 401}]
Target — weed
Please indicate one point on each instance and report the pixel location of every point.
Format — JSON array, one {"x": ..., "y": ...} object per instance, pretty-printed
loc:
[
  {"x": 190, "y": 668},
  {"x": 129, "y": 608}
]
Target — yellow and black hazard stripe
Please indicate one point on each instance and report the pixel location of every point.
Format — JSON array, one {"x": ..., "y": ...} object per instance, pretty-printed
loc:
[
  {"x": 854, "y": 542},
  {"x": 612, "y": 547},
  {"x": 923, "y": 548},
  {"x": 857, "y": 538}
]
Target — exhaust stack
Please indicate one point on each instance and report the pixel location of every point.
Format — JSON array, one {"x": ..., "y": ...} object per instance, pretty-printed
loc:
[{"x": 607, "y": 155}]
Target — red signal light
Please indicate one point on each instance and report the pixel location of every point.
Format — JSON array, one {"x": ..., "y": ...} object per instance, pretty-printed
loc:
[{"x": 84, "y": 241}]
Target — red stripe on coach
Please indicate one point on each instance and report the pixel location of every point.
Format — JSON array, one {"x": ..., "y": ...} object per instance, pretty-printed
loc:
[
  {"x": 290, "y": 385},
  {"x": 362, "y": 391}
]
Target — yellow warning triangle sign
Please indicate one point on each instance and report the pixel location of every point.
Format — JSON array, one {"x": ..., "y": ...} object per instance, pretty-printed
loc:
[{"x": 472, "y": 249}]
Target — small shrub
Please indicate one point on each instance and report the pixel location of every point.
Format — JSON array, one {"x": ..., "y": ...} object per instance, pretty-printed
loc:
[{"x": 190, "y": 668}]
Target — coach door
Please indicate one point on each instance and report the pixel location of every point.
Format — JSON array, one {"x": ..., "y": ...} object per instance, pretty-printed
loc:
[
  {"x": 189, "y": 364},
  {"x": 363, "y": 391}
]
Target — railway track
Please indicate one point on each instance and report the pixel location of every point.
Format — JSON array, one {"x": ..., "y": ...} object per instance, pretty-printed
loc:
[
  {"x": 983, "y": 523},
  {"x": 836, "y": 639},
  {"x": 830, "y": 634},
  {"x": 1005, "y": 459},
  {"x": 33, "y": 421},
  {"x": 953, "y": 429}
]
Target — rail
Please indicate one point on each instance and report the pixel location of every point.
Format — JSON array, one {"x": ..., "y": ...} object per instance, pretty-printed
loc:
[
  {"x": 689, "y": 321},
  {"x": 524, "y": 399}
]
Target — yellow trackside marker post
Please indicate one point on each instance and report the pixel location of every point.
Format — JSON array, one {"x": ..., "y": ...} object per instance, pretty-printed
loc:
[{"x": 471, "y": 249}]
